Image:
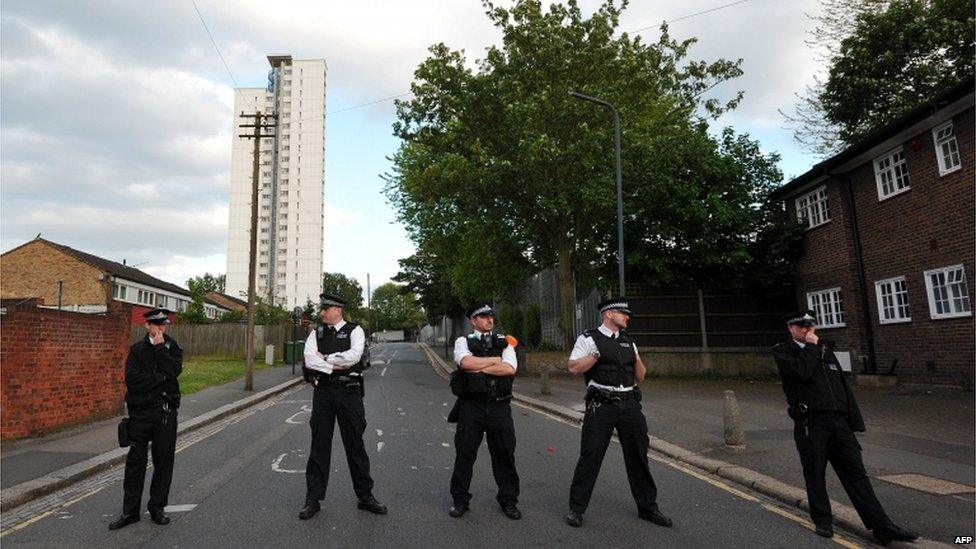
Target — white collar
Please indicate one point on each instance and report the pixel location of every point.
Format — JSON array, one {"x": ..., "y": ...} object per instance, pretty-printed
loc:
[
  {"x": 800, "y": 343},
  {"x": 607, "y": 331},
  {"x": 480, "y": 333},
  {"x": 337, "y": 326}
]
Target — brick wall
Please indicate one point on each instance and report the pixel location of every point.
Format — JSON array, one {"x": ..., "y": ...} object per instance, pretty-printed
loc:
[
  {"x": 34, "y": 269},
  {"x": 929, "y": 226},
  {"x": 60, "y": 368}
]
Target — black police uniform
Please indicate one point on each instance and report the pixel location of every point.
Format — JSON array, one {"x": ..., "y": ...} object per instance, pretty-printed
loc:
[
  {"x": 483, "y": 408},
  {"x": 826, "y": 416},
  {"x": 152, "y": 398},
  {"x": 609, "y": 410},
  {"x": 337, "y": 398}
]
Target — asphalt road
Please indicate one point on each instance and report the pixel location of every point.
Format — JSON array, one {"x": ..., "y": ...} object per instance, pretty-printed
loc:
[{"x": 242, "y": 484}]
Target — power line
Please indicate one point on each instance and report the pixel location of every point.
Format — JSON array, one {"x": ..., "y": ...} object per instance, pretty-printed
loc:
[
  {"x": 392, "y": 97},
  {"x": 221, "y": 56},
  {"x": 696, "y": 14}
]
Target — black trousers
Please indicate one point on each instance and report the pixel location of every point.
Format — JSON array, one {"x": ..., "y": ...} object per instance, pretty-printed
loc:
[
  {"x": 601, "y": 418},
  {"x": 827, "y": 437},
  {"x": 342, "y": 405},
  {"x": 156, "y": 429},
  {"x": 493, "y": 419}
]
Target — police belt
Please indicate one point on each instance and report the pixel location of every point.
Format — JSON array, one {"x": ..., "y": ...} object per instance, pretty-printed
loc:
[
  {"x": 486, "y": 398},
  {"x": 337, "y": 380},
  {"x": 604, "y": 395}
]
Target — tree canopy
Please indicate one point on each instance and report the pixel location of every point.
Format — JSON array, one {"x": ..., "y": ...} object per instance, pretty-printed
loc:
[
  {"x": 395, "y": 308},
  {"x": 502, "y": 173}
]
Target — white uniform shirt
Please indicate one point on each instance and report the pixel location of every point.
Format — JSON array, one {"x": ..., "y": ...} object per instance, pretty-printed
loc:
[
  {"x": 585, "y": 346},
  {"x": 314, "y": 360},
  {"x": 461, "y": 350}
]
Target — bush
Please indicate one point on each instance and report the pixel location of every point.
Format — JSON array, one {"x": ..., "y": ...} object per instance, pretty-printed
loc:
[
  {"x": 511, "y": 321},
  {"x": 533, "y": 326}
]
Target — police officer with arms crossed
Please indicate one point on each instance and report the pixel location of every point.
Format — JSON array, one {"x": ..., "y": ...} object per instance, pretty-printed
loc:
[
  {"x": 334, "y": 360},
  {"x": 152, "y": 397},
  {"x": 826, "y": 415},
  {"x": 608, "y": 359},
  {"x": 483, "y": 383}
]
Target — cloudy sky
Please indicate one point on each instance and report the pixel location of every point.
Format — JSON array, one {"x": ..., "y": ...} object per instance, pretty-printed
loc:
[{"x": 115, "y": 116}]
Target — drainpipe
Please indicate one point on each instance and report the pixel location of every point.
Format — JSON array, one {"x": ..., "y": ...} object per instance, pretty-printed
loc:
[{"x": 872, "y": 366}]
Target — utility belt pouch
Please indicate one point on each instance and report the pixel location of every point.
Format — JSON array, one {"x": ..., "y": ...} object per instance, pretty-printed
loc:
[
  {"x": 799, "y": 412},
  {"x": 638, "y": 396}
]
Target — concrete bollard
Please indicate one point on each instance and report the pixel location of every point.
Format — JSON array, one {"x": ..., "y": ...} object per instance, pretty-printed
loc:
[
  {"x": 735, "y": 437},
  {"x": 544, "y": 387},
  {"x": 269, "y": 355}
]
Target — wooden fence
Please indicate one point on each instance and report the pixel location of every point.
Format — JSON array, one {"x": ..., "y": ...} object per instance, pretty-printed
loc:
[{"x": 227, "y": 339}]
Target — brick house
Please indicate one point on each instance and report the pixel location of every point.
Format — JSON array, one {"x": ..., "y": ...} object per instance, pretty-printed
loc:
[
  {"x": 889, "y": 246},
  {"x": 79, "y": 281},
  {"x": 228, "y": 302}
]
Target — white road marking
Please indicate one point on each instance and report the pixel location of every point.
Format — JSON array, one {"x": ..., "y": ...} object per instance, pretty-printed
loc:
[
  {"x": 305, "y": 409},
  {"x": 378, "y": 361},
  {"x": 276, "y": 466},
  {"x": 180, "y": 508},
  {"x": 446, "y": 445},
  {"x": 383, "y": 373},
  {"x": 393, "y": 356},
  {"x": 379, "y": 446},
  {"x": 379, "y": 432}
]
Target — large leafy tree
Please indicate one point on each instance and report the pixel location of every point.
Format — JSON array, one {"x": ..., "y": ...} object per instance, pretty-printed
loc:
[
  {"x": 882, "y": 58},
  {"x": 395, "y": 308},
  {"x": 209, "y": 282},
  {"x": 501, "y": 172}
]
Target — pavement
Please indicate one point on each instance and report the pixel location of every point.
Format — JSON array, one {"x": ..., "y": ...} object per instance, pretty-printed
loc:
[
  {"x": 239, "y": 481},
  {"x": 919, "y": 449},
  {"x": 34, "y": 467}
]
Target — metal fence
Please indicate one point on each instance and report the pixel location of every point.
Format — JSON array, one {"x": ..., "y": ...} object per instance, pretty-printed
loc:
[{"x": 227, "y": 339}]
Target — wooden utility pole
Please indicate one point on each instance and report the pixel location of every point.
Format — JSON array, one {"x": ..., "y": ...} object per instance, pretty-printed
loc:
[{"x": 256, "y": 135}]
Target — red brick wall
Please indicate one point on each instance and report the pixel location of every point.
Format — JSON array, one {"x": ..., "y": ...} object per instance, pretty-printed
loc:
[
  {"x": 930, "y": 226},
  {"x": 60, "y": 368}
]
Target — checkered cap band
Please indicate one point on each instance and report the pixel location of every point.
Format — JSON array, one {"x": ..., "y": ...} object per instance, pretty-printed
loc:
[
  {"x": 615, "y": 305},
  {"x": 484, "y": 310}
]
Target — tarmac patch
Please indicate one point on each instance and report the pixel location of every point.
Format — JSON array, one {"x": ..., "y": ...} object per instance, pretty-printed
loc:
[{"x": 927, "y": 484}]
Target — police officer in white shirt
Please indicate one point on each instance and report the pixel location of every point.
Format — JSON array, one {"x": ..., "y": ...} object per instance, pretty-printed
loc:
[
  {"x": 608, "y": 358},
  {"x": 334, "y": 364},
  {"x": 483, "y": 384}
]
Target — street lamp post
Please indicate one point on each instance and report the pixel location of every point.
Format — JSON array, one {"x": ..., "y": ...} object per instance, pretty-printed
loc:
[{"x": 620, "y": 194}]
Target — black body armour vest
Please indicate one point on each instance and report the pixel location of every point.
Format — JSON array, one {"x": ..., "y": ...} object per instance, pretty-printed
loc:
[
  {"x": 479, "y": 384},
  {"x": 615, "y": 366},
  {"x": 338, "y": 341}
]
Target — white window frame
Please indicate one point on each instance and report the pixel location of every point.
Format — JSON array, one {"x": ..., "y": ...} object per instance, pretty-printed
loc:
[
  {"x": 828, "y": 306},
  {"x": 951, "y": 143},
  {"x": 812, "y": 208},
  {"x": 951, "y": 300},
  {"x": 892, "y": 169},
  {"x": 900, "y": 309}
]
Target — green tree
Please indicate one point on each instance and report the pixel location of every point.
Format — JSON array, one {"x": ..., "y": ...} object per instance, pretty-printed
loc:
[
  {"x": 501, "y": 172},
  {"x": 209, "y": 282},
  {"x": 195, "y": 312},
  {"x": 395, "y": 308},
  {"x": 883, "y": 58},
  {"x": 426, "y": 276}
]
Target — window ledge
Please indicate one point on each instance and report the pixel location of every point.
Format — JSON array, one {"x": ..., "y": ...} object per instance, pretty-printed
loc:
[
  {"x": 952, "y": 315},
  {"x": 832, "y": 326},
  {"x": 947, "y": 172},
  {"x": 894, "y": 194},
  {"x": 896, "y": 321},
  {"x": 809, "y": 228}
]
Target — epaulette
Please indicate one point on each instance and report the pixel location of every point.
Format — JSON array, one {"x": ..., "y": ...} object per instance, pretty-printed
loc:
[{"x": 588, "y": 333}]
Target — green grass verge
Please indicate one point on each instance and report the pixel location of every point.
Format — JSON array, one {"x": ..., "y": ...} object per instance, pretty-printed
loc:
[{"x": 202, "y": 372}]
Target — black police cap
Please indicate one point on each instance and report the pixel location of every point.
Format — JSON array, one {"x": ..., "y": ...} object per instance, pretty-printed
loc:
[
  {"x": 158, "y": 316},
  {"x": 479, "y": 310},
  {"x": 332, "y": 300},
  {"x": 803, "y": 317},
  {"x": 614, "y": 304}
]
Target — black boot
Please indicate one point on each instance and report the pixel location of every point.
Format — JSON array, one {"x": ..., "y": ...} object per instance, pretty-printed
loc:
[
  {"x": 159, "y": 517},
  {"x": 656, "y": 517},
  {"x": 893, "y": 532},
  {"x": 123, "y": 521},
  {"x": 574, "y": 519},
  {"x": 307, "y": 512},
  {"x": 825, "y": 530},
  {"x": 370, "y": 504},
  {"x": 459, "y": 509}
]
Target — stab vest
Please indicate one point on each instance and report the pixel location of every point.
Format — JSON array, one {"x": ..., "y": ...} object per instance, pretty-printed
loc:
[
  {"x": 336, "y": 342},
  {"x": 485, "y": 385},
  {"x": 615, "y": 365}
]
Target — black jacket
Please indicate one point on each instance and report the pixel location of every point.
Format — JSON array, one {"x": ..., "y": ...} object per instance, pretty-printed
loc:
[
  {"x": 807, "y": 380},
  {"x": 151, "y": 373}
]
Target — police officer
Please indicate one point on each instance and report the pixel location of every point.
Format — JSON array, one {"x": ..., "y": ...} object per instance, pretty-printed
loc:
[
  {"x": 826, "y": 416},
  {"x": 483, "y": 384},
  {"x": 334, "y": 363},
  {"x": 608, "y": 359},
  {"x": 152, "y": 397}
]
